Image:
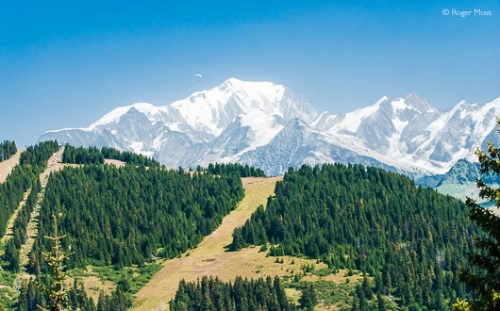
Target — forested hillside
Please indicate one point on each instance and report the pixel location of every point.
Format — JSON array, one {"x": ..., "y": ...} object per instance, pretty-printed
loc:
[
  {"x": 12, "y": 191},
  {"x": 124, "y": 216},
  {"x": 13, "y": 246},
  {"x": 32, "y": 163},
  {"x": 7, "y": 149},
  {"x": 412, "y": 239},
  {"x": 409, "y": 242}
]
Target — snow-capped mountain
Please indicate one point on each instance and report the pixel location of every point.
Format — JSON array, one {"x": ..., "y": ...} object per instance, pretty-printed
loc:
[{"x": 267, "y": 125}]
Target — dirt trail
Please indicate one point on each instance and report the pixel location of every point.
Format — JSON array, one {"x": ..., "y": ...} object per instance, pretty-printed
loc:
[
  {"x": 210, "y": 256},
  {"x": 8, "y": 165},
  {"x": 54, "y": 164}
]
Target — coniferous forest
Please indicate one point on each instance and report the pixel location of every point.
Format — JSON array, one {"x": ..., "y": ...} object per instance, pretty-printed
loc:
[
  {"x": 410, "y": 243},
  {"x": 34, "y": 295},
  {"x": 129, "y": 157},
  {"x": 414, "y": 239},
  {"x": 82, "y": 155},
  {"x": 39, "y": 154},
  {"x": 7, "y": 149},
  {"x": 124, "y": 216},
  {"x": 250, "y": 155},
  {"x": 11, "y": 255},
  {"x": 240, "y": 169},
  {"x": 93, "y": 155},
  {"x": 12, "y": 191},
  {"x": 32, "y": 162},
  {"x": 211, "y": 294}
]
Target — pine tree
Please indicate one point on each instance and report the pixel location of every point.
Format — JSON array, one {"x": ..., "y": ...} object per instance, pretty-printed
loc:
[{"x": 485, "y": 277}]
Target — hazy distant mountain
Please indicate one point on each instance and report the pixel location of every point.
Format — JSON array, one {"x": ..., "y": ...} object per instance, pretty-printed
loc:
[
  {"x": 266, "y": 125},
  {"x": 462, "y": 173}
]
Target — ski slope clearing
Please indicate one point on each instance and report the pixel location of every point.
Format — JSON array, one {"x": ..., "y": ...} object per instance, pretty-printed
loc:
[
  {"x": 8, "y": 165},
  {"x": 211, "y": 257},
  {"x": 54, "y": 164}
]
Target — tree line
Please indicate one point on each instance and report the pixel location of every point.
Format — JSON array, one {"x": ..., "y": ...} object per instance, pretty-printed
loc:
[
  {"x": 128, "y": 157},
  {"x": 229, "y": 168},
  {"x": 414, "y": 239},
  {"x": 93, "y": 155},
  {"x": 39, "y": 154},
  {"x": 7, "y": 149},
  {"x": 82, "y": 155},
  {"x": 211, "y": 294}
]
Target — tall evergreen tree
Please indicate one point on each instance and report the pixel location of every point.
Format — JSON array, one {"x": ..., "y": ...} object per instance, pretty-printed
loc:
[
  {"x": 484, "y": 278},
  {"x": 308, "y": 298},
  {"x": 57, "y": 293}
]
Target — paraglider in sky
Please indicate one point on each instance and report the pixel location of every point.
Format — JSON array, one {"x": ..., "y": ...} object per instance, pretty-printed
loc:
[{"x": 198, "y": 77}]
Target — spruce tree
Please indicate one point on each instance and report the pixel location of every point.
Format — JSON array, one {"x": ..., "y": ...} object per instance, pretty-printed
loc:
[
  {"x": 57, "y": 293},
  {"x": 484, "y": 278},
  {"x": 308, "y": 299}
]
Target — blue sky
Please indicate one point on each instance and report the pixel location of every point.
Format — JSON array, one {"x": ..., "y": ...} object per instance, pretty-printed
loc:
[{"x": 66, "y": 63}]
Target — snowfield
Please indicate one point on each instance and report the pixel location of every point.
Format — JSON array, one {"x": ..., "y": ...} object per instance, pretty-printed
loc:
[{"x": 267, "y": 125}]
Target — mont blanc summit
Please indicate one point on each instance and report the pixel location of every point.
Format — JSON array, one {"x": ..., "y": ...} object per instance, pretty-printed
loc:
[{"x": 268, "y": 126}]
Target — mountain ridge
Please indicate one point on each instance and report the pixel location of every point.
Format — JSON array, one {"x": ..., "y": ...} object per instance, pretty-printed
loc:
[{"x": 253, "y": 122}]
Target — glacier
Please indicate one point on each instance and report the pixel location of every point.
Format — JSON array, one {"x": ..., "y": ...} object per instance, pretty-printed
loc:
[{"x": 269, "y": 126}]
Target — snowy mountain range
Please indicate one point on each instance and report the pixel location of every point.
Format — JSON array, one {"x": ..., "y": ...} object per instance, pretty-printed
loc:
[{"x": 268, "y": 126}]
